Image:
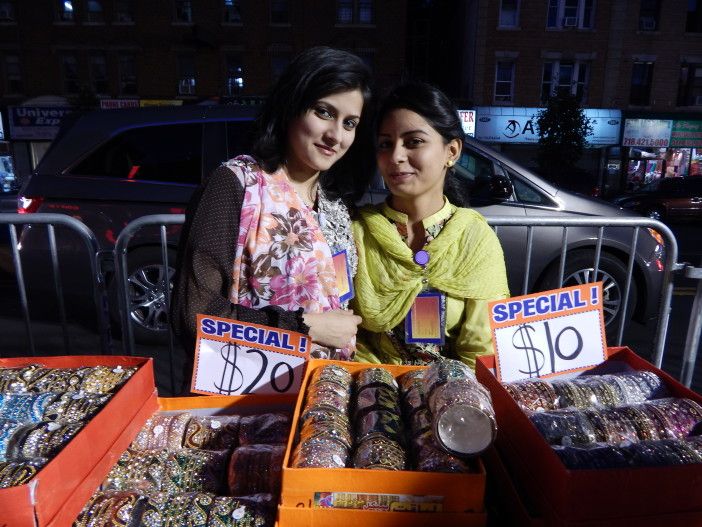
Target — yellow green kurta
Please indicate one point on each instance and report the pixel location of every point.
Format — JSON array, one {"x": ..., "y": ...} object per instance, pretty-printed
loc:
[{"x": 466, "y": 264}]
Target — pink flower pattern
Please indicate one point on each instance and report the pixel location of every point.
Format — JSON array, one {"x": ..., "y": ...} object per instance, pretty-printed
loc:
[{"x": 282, "y": 257}]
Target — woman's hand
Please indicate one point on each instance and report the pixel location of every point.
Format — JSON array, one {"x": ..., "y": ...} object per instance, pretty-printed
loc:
[{"x": 334, "y": 329}]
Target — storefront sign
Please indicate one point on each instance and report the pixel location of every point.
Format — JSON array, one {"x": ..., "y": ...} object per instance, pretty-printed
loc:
[
  {"x": 687, "y": 134},
  {"x": 113, "y": 104},
  {"x": 36, "y": 123},
  {"x": 467, "y": 121},
  {"x": 547, "y": 333},
  {"x": 160, "y": 102},
  {"x": 653, "y": 133},
  {"x": 238, "y": 358},
  {"x": 496, "y": 124}
]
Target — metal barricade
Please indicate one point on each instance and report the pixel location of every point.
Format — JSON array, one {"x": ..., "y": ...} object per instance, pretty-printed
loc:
[
  {"x": 599, "y": 224},
  {"x": 123, "y": 287},
  {"x": 99, "y": 296}
]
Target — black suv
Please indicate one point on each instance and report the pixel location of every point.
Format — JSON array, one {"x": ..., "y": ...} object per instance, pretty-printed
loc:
[{"x": 110, "y": 167}]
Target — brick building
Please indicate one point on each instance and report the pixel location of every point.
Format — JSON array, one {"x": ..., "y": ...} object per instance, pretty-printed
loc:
[
  {"x": 639, "y": 59},
  {"x": 86, "y": 51}
]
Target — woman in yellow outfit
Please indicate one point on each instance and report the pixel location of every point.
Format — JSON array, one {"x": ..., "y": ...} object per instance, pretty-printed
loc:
[{"x": 427, "y": 268}]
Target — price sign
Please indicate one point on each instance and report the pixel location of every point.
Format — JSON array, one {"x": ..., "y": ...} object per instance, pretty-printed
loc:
[
  {"x": 547, "y": 333},
  {"x": 239, "y": 358}
]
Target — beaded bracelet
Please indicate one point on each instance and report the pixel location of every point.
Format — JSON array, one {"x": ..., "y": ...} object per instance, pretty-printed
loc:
[
  {"x": 106, "y": 509},
  {"x": 166, "y": 510}
]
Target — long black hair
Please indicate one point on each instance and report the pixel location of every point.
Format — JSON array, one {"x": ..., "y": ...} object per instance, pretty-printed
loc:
[
  {"x": 313, "y": 74},
  {"x": 437, "y": 109}
]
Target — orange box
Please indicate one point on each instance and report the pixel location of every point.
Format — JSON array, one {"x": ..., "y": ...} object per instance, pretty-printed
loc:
[
  {"x": 463, "y": 494},
  {"x": 609, "y": 497},
  {"x": 60, "y": 490}
]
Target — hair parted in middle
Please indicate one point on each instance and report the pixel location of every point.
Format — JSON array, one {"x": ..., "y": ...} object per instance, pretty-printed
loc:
[{"x": 438, "y": 110}]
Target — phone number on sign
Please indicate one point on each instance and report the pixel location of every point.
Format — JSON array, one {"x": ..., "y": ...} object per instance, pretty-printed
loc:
[{"x": 644, "y": 141}]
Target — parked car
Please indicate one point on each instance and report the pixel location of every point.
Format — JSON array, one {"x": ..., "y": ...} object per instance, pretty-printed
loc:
[
  {"x": 110, "y": 168},
  {"x": 670, "y": 198}
]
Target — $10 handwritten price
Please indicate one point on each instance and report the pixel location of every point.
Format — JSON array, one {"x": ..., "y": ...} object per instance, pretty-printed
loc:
[
  {"x": 233, "y": 377},
  {"x": 535, "y": 359}
]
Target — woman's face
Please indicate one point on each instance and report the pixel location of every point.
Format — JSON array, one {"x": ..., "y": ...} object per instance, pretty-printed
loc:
[
  {"x": 412, "y": 156},
  {"x": 322, "y": 135}
]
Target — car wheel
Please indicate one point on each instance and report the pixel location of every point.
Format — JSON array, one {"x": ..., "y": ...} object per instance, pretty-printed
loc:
[
  {"x": 146, "y": 280},
  {"x": 579, "y": 269},
  {"x": 655, "y": 214}
]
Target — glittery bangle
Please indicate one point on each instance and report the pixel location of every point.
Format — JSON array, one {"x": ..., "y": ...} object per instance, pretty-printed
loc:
[
  {"x": 138, "y": 470},
  {"x": 193, "y": 470},
  {"x": 322, "y": 452},
  {"x": 332, "y": 373},
  {"x": 564, "y": 427},
  {"x": 27, "y": 407},
  {"x": 377, "y": 398},
  {"x": 106, "y": 509},
  {"x": 431, "y": 457},
  {"x": 74, "y": 406},
  {"x": 570, "y": 395},
  {"x": 682, "y": 414},
  {"x": 255, "y": 468},
  {"x": 105, "y": 379},
  {"x": 412, "y": 380},
  {"x": 7, "y": 432},
  {"x": 166, "y": 510},
  {"x": 324, "y": 415},
  {"x": 378, "y": 422},
  {"x": 41, "y": 439},
  {"x": 270, "y": 429},
  {"x": 163, "y": 431},
  {"x": 379, "y": 453},
  {"x": 249, "y": 511},
  {"x": 217, "y": 432},
  {"x": 533, "y": 394},
  {"x": 310, "y": 433},
  {"x": 375, "y": 377},
  {"x": 14, "y": 473}
]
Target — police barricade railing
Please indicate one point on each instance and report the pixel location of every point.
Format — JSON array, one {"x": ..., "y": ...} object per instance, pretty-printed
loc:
[
  {"x": 126, "y": 308},
  {"x": 600, "y": 226},
  {"x": 50, "y": 222}
]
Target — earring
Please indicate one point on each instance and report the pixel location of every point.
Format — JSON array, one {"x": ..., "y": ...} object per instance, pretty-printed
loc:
[{"x": 449, "y": 163}]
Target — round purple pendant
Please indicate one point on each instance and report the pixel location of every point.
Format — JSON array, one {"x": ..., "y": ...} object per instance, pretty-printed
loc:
[{"x": 421, "y": 258}]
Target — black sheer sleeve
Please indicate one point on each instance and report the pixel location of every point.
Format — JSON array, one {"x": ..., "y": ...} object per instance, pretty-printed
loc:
[{"x": 205, "y": 258}]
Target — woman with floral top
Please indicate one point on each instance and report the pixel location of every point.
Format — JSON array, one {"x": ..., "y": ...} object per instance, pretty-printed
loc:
[
  {"x": 262, "y": 236},
  {"x": 426, "y": 268}
]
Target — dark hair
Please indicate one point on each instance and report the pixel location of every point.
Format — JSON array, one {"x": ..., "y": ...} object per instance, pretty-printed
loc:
[
  {"x": 312, "y": 75},
  {"x": 438, "y": 110}
]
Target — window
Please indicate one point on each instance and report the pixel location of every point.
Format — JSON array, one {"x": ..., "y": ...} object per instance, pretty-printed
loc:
[
  {"x": 184, "y": 11},
  {"x": 234, "y": 79},
  {"x": 169, "y": 153},
  {"x": 354, "y": 11},
  {"x": 280, "y": 12},
  {"x": 232, "y": 11},
  {"x": 127, "y": 75},
  {"x": 641, "y": 78},
  {"x": 693, "y": 24},
  {"x": 13, "y": 74},
  {"x": 568, "y": 76},
  {"x": 64, "y": 10},
  {"x": 278, "y": 64},
  {"x": 648, "y": 15},
  {"x": 124, "y": 11},
  {"x": 570, "y": 13},
  {"x": 7, "y": 11},
  {"x": 186, "y": 75},
  {"x": 94, "y": 12},
  {"x": 98, "y": 74},
  {"x": 509, "y": 13},
  {"x": 69, "y": 73},
  {"x": 690, "y": 88},
  {"x": 504, "y": 81}
]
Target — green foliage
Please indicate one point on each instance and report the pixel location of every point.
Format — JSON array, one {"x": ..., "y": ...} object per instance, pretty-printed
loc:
[{"x": 563, "y": 131}]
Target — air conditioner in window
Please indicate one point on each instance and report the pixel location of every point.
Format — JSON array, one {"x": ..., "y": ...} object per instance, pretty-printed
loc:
[
  {"x": 648, "y": 23},
  {"x": 698, "y": 100},
  {"x": 570, "y": 21}
]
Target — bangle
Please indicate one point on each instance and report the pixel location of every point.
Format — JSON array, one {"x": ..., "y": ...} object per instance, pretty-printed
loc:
[
  {"x": 112, "y": 508},
  {"x": 163, "y": 509}
]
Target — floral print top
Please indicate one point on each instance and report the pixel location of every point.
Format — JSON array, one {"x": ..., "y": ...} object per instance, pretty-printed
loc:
[{"x": 282, "y": 256}]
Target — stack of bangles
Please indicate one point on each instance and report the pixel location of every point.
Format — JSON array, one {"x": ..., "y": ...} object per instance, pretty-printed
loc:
[{"x": 42, "y": 409}]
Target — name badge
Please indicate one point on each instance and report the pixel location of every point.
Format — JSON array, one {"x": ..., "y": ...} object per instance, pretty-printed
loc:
[
  {"x": 426, "y": 319},
  {"x": 344, "y": 283}
]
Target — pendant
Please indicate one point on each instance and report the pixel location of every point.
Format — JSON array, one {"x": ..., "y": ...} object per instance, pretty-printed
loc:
[{"x": 421, "y": 257}]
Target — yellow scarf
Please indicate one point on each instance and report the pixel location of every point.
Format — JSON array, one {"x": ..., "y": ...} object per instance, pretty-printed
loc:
[{"x": 465, "y": 261}]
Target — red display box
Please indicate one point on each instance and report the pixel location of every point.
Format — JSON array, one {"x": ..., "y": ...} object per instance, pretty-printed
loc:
[
  {"x": 638, "y": 496},
  {"x": 59, "y": 491}
]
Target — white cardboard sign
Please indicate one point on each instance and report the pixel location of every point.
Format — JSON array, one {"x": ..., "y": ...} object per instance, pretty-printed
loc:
[
  {"x": 239, "y": 358},
  {"x": 547, "y": 333}
]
